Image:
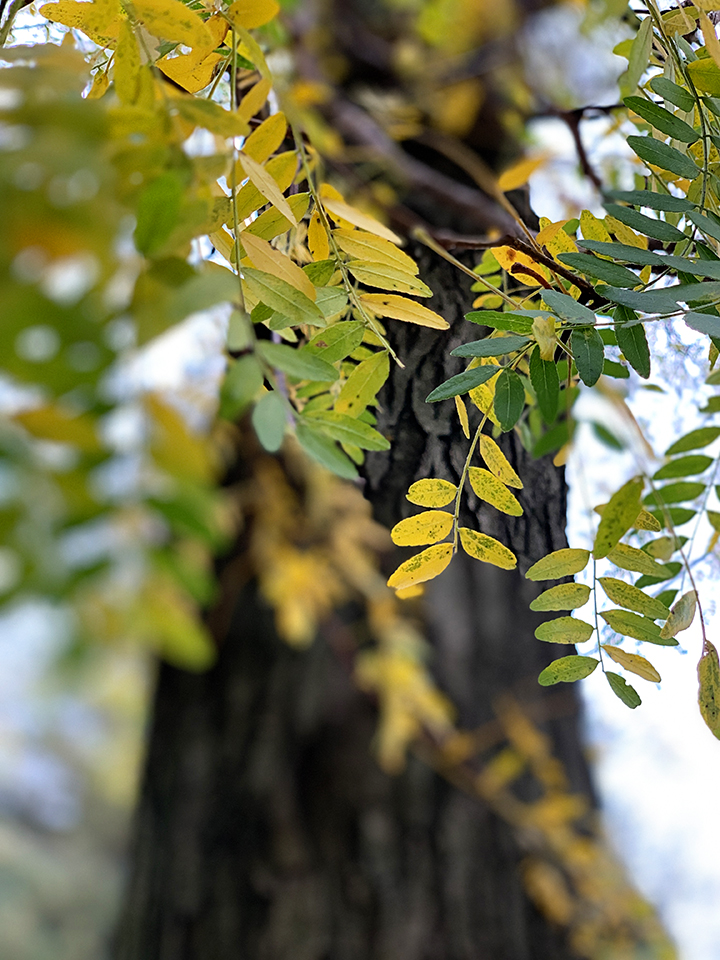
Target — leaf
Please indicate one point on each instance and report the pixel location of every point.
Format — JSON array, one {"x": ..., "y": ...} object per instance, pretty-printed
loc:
[
  {"x": 633, "y": 662},
  {"x": 677, "y": 492},
  {"x": 363, "y": 384},
  {"x": 348, "y": 430},
  {"x": 628, "y": 596},
  {"x": 428, "y": 527},
  {"x": 646, "y": 521},
  {"x": 509, "y": 400},
  {"x": 281, "y": 296},
  {"x": 629, "y": 695},
  {"x": 462, "y": 383},
  {"x": 681, "y": 615},
  {"x": 598, "y": 269},
  {"x": 694, "y": 440},
  {"x": 588, "y": 353},
  {"x": 127, "y": 64},
  {"x": 564, "y": 630},
  {"x": 671, "y": 91},
  {"x": 618, "y": 517},
  {"x": 703, "y": 323},
  {"x": 488, "y": 549},
  {"x": 633, "y": 343},
  {"x": 266, "y": 185},
  {"x": 367, "y": 246},
  {"x": 498, "y": 463},
  {"x": 630, "y": 558},
  {"x": 210, "y": 115},
  {"x": 268, "y": 137},
  {"x": 565, "y": 596},
  {"x": 251, "y": 14},
  {"x": 269, "y": 419},
  {"x": 705, "y": 75},
  {"x": 491, "y": 347},
  {"x": 661, "y": 155},
  {"x": 631, "y": 625},
  {"x": 240, "y": 386},
  {"x": 648, "y": 301},
  {"x": 60, "y": 425},
  {"x": 567, "y": 308},
  {"x": 640, "y": 51},
  {"x": 519, "y": 173},
  {"x": 709, "y": 227},
  {"x": 173, "y": 20},
  {"x": 400, "y": 308},
  {"x": 647, "y": 226},
  {"x": 338, "y": 341},
  {"x": 512, "y": 322},
  {"x": 683, "y": 467},
  {"x": 100, "y": 21},
  {"x": 157, "y": 212},
  {"x": 662, "y": 119},
  {"x": 432, "y": 492},
  {"x": 567, "y": 670},
  {"x": 487, "y": 487},
  {"x": 423, "y": 566},
  {"x": 543, "y": 329},
  {"x": 274, "y": 262},
  {"x": 387, "y": 278},
  {"x": 546, "y": 384},
  {"x": 322, "y": 449},
  {"x": 297, "y": 363},
  {"x": 559, "y": 563},
  {"x": 339, "y": 210},
  {"x": 709, "y": 690},
  {"x": 463, "y": 416}
]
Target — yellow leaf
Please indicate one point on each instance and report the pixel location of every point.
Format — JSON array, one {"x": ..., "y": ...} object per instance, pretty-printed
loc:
[
  {"x": 387, "y": 278},
  {"x": 127, "y": 64},
  {"x": 362, "y": 385},
  {"x": 681, "y": 615},
  {"x": 339, "y": 210},
  {"x": 172, "y": 20},
  {"x": 592, "y": 228},
  {"x": 267, "y": 186},
  {"x": 554, "y": 238},
  {"x": 625, "y": 234},
  {"x": 100, "y": 83},
  {"x": 174, "y": 446},
  {"x": 432, "y": 493},
  {"x": 559, "y": 563},
  {"x": 646, "y": 521},
  {"x": 632, "y": 662},
  {"x": 317, "y": 238},
  {"x": 61, "y": 426},
  {"x": 463, "y": 416},
  {"x": 498, "y": 463},
  {"x": 252, "y": 13},
  {"x": 281, "y": 168},
  {"x": 190, "y": 71},
  {"x": 487, "y": 487},
  {"x": 366, "y": 246},
  {"x": 711, "y": 41},
  {"x": 519, "y": 173},
  {"x": 400, "y": 308},
  {"x": 265, "y": 140},
  {"x": 254, "y": 99},
  {"x": 484, "y": 396},
  {"x": 264, "y": 257},
  {"x": 423, "y": 566},
  {"x": 409, "y": 593},
  {"x": 565, "y": 596},
  {"x": 99, "y": 20},
  {"x": 543, "y": 329},
  {"x": 428, "y": 527},
  {"x": 520, "y": 265},
  {"x": 488, "y": 549},
  {"x": 210, "y": 115},
  {"x": 272, "y": 223}
]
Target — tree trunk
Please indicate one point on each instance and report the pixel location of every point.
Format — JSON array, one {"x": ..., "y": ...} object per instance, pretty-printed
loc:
[{"x": 265, "y": 828}]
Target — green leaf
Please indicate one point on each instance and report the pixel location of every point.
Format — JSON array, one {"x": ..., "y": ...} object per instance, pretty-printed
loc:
[
  {"x": 299, "y": 364},
  {"x": 639, "y": 55},
  {"x": 269, "y": 419},
  {"x": 618, "y": 517},
  {"x": 546, "y": 383},
  {"x": 490, "y": 347},
  {"x": 598, "y": 269},
  {"x": 662, "y": 119},
  {"x": 661, "y": 155},
  {"x": 567, "y": 670},
  {"x": 655, "y": 201},
  {"x": 632, "y": 341},
  {"x": 613, "y": 369},
  {"x": 565, "y": 596},
  {"x": 385, "y": 277},
  {"x": 671, "y": 91},
  {"x": 509, "y": 399},
  {"x": 630, "y": 558},
  {"x": 683, "y": 467},
  {"x": 705, "y": 323},
  {"x": 588, "y": 353},
  {"x": 240, "y": 386},
  {"x": 681, "y": 615},
  {"x": 512, "y": 322},
  {"x": 322, "y": 449},
  {"x": 338, "y": 341},
  {"x": 331, "y": 301},
  {"x": 647, "y": 301},
  {"x": 628, "y": 596},
  {"x": 348, "y": 430},
  {"x": 648, "y": 226},
  {"x": 626, "y": 253},
  {"x": 567, "y": 308},
  {"x": 320, "y": 272},
  {"x": 157, "y": 213},
  {"x": 564, "y": 630},
  {"x": 709, "y": 227},
  {"x": 622, "y": 689},
  {"x": 463, "y": 382},
  {"x": 674, "y": 493},
  {"x": 694, "y": 440},
  {"x": 283, "y": 297},
  {"x": 559, "y": 563},
  {"x": 709, "y": 691},
  {"x": 632, "y": 625}
]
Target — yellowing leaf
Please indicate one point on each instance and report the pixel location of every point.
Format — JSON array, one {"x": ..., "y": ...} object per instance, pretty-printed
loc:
[
  {"x": 281, "y": 296},
  {"x": 564, "y": 630},
  {"x": 625, "y": 234},
  {"x": 61, "y": 426},
  {"x": 266, "y": 258},
  {"x": 400, "y": 308},
  {"x": 339, "y": 211},
  {"x": 592, "y": 228},
  {"x": 432, "y": 493},
  {"x": 387, "y": 278},
  {"x": 519, "y": 173},
  {"x": 366, "y": 246},
  {"x": 173, "y": 20},
  {"x": 488, "y": 549},
  {"x": 99, "y": 20},
  {"x": 709, "y": 692},
  {"x": 271, "y": 223},
  {"x": 618, "y": 517},
  {"x": 127, "y": 64},
  {"x": 632, "y": 662},
  {"x": 630, "y": 597},
  {"x": 554, "y": 238},
  {"x": 543, "y": 329},
  {"x": 565, "y": 596},
  {"x": 423, "y": 566},
  {"x": 462, "y": 416},
  {"x": 630, "y": 558},
  {"x": 254, "y": 99},
  {"x": 428, "y": 527},
  {"x": 281, "y": 168},
  {"x": 681, "y": 615},
  {"x": 712, "y": 43},
  {"x": 267, "y": 186},
  {"x": 266, "y": 139},
  {"x": 210, "y": 115},
  {"x": 520, "y": 265},
  {"x": 317, "y": 238},
  {"x": 646, "y": 521},
  {"x": 361, "y": 387},
  {"x": 484, "y": 396},
  {"x": 498, "y": 463},
  {"x": 100, "y": 83},
  {"x": 252, "y": 13},
  {"x": 559, "y": 563},
  {"x": 487, "y": 487},
  {"x": 191, "y": 71}
]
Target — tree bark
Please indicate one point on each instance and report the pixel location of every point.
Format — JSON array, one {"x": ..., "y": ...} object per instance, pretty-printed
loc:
[{"x": 265, "y": 828}]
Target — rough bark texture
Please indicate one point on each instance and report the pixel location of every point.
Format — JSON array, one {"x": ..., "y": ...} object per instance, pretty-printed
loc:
[{"x": 265, "y": 828}]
